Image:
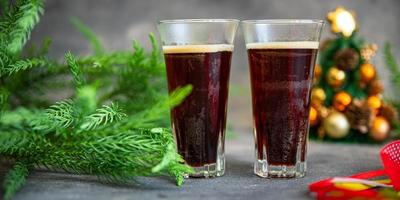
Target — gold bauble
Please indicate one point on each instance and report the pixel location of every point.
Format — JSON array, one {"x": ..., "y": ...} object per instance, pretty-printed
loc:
[
  {"x": 380, "y": 129},
  {"x": 367, "y": 72},
  {"x": 317, "y": 71},
  {"x": 313, "y": 116},
  {"x": 318, "y": 96},
  {"x": 374, "y": 102},
  {"x": 335, "y": 77},
  {"x": 336, "y": 125},
  {"x": 341, "y": 100}
]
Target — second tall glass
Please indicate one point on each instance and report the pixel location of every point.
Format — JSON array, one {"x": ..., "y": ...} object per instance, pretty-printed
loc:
[
  {"x": 198, "y": 52},
  {"x": 281, "y": 55}
]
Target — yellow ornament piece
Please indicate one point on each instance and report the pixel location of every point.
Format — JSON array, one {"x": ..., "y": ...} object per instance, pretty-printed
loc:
[
  {"x": 367, "y": 72},
  {"x": 336, "y": 77},
  {"x": 341, "y": 100},
  {"x": 313, "y": 116},
  {"x": 342, "y": 21},
  {"x": 318, "y": 96},
  {"x": 317, "y": 71},
  {"x": 374, "y": 102},
  {"x": 336, "y": 125},
  {"x": 380, "y": 129}
]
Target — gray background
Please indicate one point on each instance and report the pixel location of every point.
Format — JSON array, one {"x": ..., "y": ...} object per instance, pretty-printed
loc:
[{"x": 118, "y": 22}]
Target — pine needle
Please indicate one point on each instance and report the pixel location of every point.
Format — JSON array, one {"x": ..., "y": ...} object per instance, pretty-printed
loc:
[
  {"x": 102, "y": 116},
  {"x": 391, "y": 64},
  {"x": 21, "y": 23},
  {"x": 15, "y": 179},
  {"x": 75, "y": 70},
  {"x": 26, "y": 64}
]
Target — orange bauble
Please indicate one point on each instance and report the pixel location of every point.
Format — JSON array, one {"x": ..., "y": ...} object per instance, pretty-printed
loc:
[
  {"x": 313, "y": 116},
  {"x": 317, "y": 71},
  {"x": 380, "y": 129},
  {"x": 374, "y": 102},
  {"x": 341, "y": 100},
  {"x": 367, "y": 72}
]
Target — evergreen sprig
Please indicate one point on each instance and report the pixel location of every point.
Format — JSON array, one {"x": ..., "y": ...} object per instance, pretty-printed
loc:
[
  {"x": 86, "y": 132},
  {"x": 15, "y": 179},
  {"x": 22, "y": 65},
  {"x": 75, "y": 70},
  {"x": 105, "y": 115},
  {"x": 19, "y": 23},
  {"x": 391, "y": 64}
]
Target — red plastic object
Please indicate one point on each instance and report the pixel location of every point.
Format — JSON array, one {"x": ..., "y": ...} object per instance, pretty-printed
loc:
[{"x": 390, "y": 155}]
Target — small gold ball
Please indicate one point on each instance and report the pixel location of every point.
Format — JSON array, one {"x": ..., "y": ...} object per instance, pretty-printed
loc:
[
  {"x": 313, "y": 116},
  {"x": 341, "y": 100},
  {"x": 380, "y": 129},
  {"x": 318, "y": 96},
  {"x": 317, "y": 71},
  {"x": 374, "y": 102},
  {"x": 336, "y": 77},
  {"x": 336, "y": 125},
  {"x": 367, "y": 72}
]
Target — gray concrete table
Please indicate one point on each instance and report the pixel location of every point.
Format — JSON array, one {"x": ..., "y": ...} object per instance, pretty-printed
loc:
[{"x": 324, "y": 160}]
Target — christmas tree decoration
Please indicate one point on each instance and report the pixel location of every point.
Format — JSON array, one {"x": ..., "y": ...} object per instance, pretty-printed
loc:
[
  {"x": 380, "y": 129},
  {"x": 375, "y": 87},
  {"x": 346, "y": 59},
  {"x": 342, "y": 21},
  {"x": 368, "y": 51},
  {"x": 347, "y": 93},
  {"x": 336, "y": 77},
  {"x": 317, "y": 72},
  {"x": 359, "y": 116},
  {"x": 341, "y": 100},
  {"x": 367, "y": 72},
  {"x": 318, "y": 96},
  {"x": 336, "y": 125},
  {"x": 313, "y": 116},
  {"x": 389, "y": 112},
  {"x": 374, "y": 102}
]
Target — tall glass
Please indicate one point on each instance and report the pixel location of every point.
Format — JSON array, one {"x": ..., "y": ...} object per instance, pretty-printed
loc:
[
  {"x": 281, "y": 56},
  {"x": 198, "y": 52}
]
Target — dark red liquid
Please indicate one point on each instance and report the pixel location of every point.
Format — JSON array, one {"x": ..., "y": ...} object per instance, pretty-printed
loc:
[
  {"x": 281, "y": 81},
  {"x": 200, "y": 120}
]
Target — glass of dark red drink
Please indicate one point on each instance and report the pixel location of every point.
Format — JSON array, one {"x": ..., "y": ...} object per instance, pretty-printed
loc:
[
  {"x": 281, "y": 56},
  {"x": 198, "y": 52}
]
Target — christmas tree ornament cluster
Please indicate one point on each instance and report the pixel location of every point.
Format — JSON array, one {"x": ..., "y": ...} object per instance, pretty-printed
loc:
[{"x": 346, "y": 100}]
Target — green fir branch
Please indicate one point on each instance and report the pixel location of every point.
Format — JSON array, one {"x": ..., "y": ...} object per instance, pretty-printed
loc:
[
  {"x": 89, "y": 35},
  {"x": 391, "y": 64},
  {"x": 15, "y": 179},
  {"x": 22, "y": 65},
  {"x": 59, "y": 116},
  {"x": 103, "y": 116},
  {"x": 75, "y": 70},
  {"x": 151, "y": 115},
  {"x": 21, "y": 23}
]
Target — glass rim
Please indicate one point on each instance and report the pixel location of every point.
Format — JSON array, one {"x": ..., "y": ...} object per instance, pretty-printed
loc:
[
  {"x": 283, "y": 21},
  {"x": 187, "y": 21}
]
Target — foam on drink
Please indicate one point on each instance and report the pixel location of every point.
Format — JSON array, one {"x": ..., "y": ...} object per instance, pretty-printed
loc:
[
  {"x": 207, "y": 48},
  {"x": 284, "y": 45}
]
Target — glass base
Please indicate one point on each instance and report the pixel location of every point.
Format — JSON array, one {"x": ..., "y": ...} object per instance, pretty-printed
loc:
[
  {"x": 262, "y": 169},
  {"x": 209, "y": 170}
]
